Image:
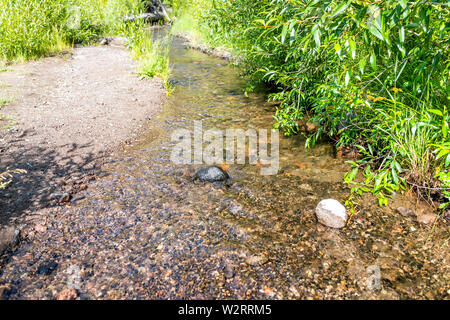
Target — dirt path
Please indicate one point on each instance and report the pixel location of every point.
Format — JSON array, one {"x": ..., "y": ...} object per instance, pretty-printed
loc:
[{"x": 67, "y": 113}]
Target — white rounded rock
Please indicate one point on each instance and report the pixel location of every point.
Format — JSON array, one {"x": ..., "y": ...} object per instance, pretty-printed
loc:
[{"x": 331, "y": 213}]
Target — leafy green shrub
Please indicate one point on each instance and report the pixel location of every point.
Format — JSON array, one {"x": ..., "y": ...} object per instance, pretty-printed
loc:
[{"x": 373, "y": 75}]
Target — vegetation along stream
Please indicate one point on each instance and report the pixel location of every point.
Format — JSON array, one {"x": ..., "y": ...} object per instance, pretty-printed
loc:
[{"x": 145, "y": 230}]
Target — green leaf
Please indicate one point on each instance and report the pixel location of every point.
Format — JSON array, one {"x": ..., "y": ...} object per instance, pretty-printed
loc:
[
  {"x": 436, "y": 112},
  {"x": 352, "y": 45},
  {"x": 373, "y": 61},
  {"x": 292, "y": 36},
  {"x": 374, "y": 30},
  {"x": 401, "y": 49},
  {"x": 284, "y": 32},
  {"x": 362, "y": 65},
  {"x": 402, "y": 35},
  {"x": 340, "y": 8},
  {"x": 403, "y": 3},
  {"x": 394, "y": 175},
  {"x": 347, "y": 78},
  {"x": 317, "y": 37}
]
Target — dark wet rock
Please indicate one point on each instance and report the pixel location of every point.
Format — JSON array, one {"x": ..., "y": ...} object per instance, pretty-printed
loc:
[
  {"x": 331, "y": 213},
  {"x": 9, "y": 237},
  {"x": 406, "y": 212},
  {"x": 105, "y": 41},
  {"x": 47, "y": 268},
  {"x": 211, "y": 174}
]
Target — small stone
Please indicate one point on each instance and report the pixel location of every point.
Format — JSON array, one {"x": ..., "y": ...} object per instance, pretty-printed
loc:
[
  {"x": 60, "y": 197},
  {"x": 406, "y": 212},
  {"x": 331, "y": 213},
  {"x": 47, "y": 268},
  {"x": 229, "y": 271},
  {"x": 256, "y": 260},
  {"x": 105, "y": 41},
  {"x": 40, "y": 228},
  {"x": 305, "y": 187},
  {"x": 294, "y": 291},
  {"x": 3, "y": 292},
  {"x": 268, "y": 291},
  {"x": 68, "y": 294},
  {"x": 427, "y": 218},
  {"x": 9, "y": 237}
]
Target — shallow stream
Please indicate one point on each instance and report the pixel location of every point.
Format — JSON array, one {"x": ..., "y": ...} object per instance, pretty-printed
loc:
[{"x": 145, "y": 230}]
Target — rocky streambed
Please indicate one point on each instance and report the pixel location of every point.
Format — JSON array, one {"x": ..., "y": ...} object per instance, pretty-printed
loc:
[{"x": 145, "y": 230}]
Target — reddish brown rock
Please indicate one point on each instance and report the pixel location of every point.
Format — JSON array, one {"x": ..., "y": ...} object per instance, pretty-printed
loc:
[
  {"x": 68, "y": 294},
  {"x": 427, "y": 218}
]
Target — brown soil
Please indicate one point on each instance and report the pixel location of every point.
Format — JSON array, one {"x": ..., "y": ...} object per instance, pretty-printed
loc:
[{"x": 67, "y": 114}]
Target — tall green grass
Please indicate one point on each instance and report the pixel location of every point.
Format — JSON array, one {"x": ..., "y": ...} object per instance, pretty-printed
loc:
[
  {"x": 152, "y": 56},
  {"x": 30, "y": 29},
  {"x": 34, "y": 28}
]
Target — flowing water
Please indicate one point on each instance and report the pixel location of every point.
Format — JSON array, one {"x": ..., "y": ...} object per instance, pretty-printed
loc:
[{"x": 145, "y": 230}]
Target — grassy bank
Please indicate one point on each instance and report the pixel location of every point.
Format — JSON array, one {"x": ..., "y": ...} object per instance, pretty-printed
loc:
[
  {"x": 31, "y": 29},
  {"x": 152, "y": 55},
  {"x": 373, "y": 76}
]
